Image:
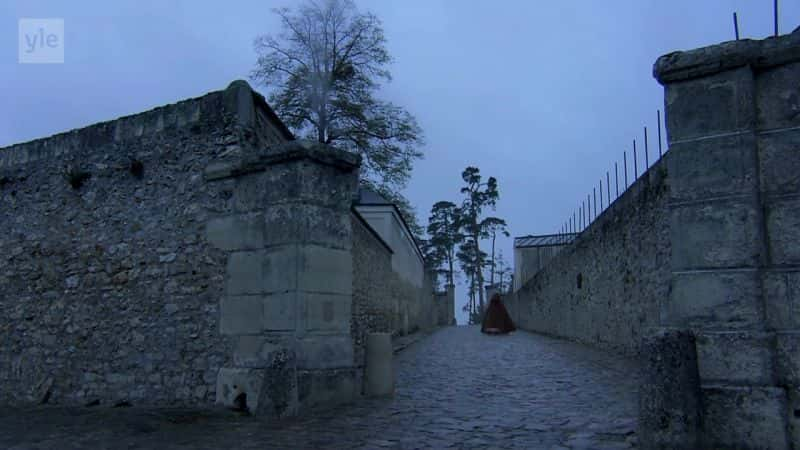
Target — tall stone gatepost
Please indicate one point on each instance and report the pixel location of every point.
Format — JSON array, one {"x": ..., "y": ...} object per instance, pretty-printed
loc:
[
  {"x": 288, "y": 294},
  {"x": 733, "y": 123}
]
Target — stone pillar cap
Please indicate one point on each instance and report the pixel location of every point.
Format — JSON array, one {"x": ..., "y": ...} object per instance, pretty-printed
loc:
[
  {"x": 684, "y": 65},
  {"x": 282, "y": 153}
]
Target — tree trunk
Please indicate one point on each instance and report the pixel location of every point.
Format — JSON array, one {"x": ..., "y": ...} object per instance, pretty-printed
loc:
[
  {"x": 479, "y": 272},
  {"x": 491, "y": 277},
  {"x": 450, "y": 273}
]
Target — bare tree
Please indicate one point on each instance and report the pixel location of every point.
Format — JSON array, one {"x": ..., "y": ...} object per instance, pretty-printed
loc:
[{"x": 323, "y": 69}]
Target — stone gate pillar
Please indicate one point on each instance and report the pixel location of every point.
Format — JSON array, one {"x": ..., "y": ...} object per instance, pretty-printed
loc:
[
  {"x": 288, "y": 294},
  {"x": 733, "y": 113}
]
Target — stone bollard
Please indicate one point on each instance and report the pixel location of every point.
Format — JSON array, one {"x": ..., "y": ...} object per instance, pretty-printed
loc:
[
  {"x": 670, "y": 411},
  {"x": 379, "y": 376}
]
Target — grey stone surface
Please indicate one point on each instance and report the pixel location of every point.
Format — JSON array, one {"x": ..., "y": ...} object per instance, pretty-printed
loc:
[
  {"x": 256, "y": 351},
  {"x": 323, "y": 269},
  {"x": 782, "y": 299},
  {"x": 745, "y": 417},
  {"x": 382, "y": 300},
  {"x": 293, "y": 293},
  {"x": 241, "y": 314},
  {"x": 713, "y": 167},
  {"x": 783, "y": 230},
  {"x": 670, "y": 409},
  {"x": 112, "y": 290},
  {"x": 715, "y": 234},
  {"x": 309, "y": 224},
  {"x": 378, "y": 371},
  {"x": 327, "y": 312},
  {"x": 457, "y": 388},
  {"x": 706, "y": 61},
  {"x": 237, "y": 232},
  {"x": 734, "y": 246},
  {"x": 787, "y": 357},
  {"x": 779, "y": 169},
  {"x": 736, "y": 357},
  {"x": 321, "y": 389},
  {"x": 623, "y": 259},
  {"x": 778, "y": 98},
  {"x": 693, "y": 108},
  {"x": 325, "y": 352},
  {"x": 721, "y": 300},
  {"x": 262, "y": 271},
  {"x": 233, "y": 383}
]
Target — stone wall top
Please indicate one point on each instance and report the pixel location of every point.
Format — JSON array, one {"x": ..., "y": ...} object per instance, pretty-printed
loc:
[
  {"x": 683, "y": 65},
  {"x": 289, "y": 151},
  {"x": 237, "y": 102}
]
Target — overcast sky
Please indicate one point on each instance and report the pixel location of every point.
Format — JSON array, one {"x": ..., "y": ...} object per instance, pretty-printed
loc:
[{"x": 543, "y": 95}]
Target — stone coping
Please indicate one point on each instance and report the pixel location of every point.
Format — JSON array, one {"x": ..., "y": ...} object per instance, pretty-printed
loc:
[
  {"x": 289, "y": 151},
  {"x": 684, "y": 65}
]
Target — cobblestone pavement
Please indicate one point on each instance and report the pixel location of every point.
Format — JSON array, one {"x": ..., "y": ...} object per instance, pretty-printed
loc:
[{"x": 455, "y": 389}]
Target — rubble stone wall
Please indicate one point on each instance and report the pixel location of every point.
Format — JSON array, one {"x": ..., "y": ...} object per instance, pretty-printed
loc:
[
  {"x": 109, "y": 290},
  {"x": 605, "y": 288}
]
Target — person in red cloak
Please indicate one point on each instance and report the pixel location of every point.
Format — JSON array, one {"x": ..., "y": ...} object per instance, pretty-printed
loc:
[{"x": 496, "y": 320}]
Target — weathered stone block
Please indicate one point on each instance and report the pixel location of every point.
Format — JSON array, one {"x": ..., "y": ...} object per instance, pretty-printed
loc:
[
  {"x": 242, "y": 314},
  {"x": 239, "y": 387},
  {"x": 783, "y": 230},
  {"x": 779, "y": 159},
  {"x": 327, "y": 312},
  {"x": 753, "y": 417},
  {"x": 254, "y": 191},
  {"x": 721, "y": 299},
  {"x": 262, "y": 271},
  {"x": 713, "y": 167},
  {"x": 778, "y": 97},
  {"x": 298, "y": 180},
  {"x": 717, "y": 104},
  {"x": 735, "y": 357},
  {"x": 669, "y": 399},
  {"x": 326, "y": 388},
  {"x": 258, "y": 351},
  {"x": 787, "y": 358},
  {"x": 782, "y": 299},
  {"x": 793, "y": 414},
  {"x": 717, "y": 234},
  {"x": 236, "y": 232},
  {"x": 327, "y": 185},
  {"x": 270, "y": 392},
  {"x": 324, "y": 352},
  {"x": 307, "y": 224},
  {"x": 322, "y": 269},
  {"x": 280, "y": 311}
]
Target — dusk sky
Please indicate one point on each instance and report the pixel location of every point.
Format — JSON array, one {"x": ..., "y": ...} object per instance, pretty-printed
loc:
[{"x": 544, "y": 96}]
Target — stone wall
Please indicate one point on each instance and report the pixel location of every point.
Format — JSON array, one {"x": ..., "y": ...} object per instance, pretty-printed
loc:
[
  {"x": 444, "y": 302},
  {"x": 733, "y": 122},
  {"x": 700, "y": 258},
  {"x": 109, "y": 290},
  {"x": 383, "y": 300},
  {"x": 190, "y": 254},
  {"x": 605, "y": 288},
  {"x": 288, "y": 283}
]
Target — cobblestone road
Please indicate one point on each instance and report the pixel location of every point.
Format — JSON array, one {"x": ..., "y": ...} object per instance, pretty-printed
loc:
[{"x": 456, "y": 389}]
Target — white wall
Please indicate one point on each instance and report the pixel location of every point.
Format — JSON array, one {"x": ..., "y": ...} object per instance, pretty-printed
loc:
[{"x": 406, "y": 260}]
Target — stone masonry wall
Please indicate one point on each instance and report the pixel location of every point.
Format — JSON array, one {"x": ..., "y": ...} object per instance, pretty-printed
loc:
[
  {"x": 109, "y": 291},
  {"x": 373, "y": 310},
  {"x": 733, "y": 123},
  {"x": 382, "y": 300},
  {"x": 605, "y": 288}
]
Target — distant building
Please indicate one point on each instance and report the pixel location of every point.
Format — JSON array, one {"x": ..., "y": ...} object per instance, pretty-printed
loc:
[
  {"x": 531, "y": 254},
  {"x": 384, "y": 217}
]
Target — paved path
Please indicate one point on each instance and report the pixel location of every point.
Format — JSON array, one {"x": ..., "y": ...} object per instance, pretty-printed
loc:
[{"x": 456, "y": 389}]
